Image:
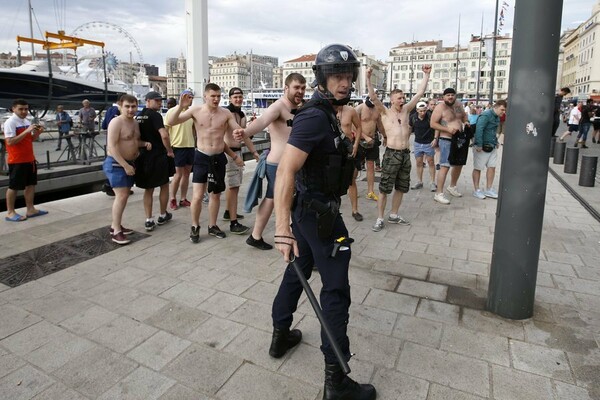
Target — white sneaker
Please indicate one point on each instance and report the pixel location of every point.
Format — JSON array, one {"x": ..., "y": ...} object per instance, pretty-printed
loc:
[
  {"x": 416, "y": 186},
  {"x": 441, "y": 198},
  {"x": 452, "y": 190},
  {"x": 397, "y": 220},
  {"x": 378, "y": 226},
  {"x": 491, "y": 193},
  {"x": 479, "y": 194},
  {"x": 432, "y": 186}
]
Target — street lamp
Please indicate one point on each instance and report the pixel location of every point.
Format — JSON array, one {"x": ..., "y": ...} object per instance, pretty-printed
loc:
[{"x": 412, "y": 68}]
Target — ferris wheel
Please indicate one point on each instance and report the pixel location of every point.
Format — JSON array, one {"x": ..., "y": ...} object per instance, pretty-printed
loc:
[{"x": 112, "y": 35}]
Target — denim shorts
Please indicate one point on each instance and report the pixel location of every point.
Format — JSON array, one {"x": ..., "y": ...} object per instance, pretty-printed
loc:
[
  {"x": 423, "y": 149},
  {"x": 115, "y": 174},
  {"x": 444, "y": 145},
  {"x": 271, "y": 173}
]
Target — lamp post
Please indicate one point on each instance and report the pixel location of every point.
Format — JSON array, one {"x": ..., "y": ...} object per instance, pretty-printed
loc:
[{"x": 412, "y": 67}]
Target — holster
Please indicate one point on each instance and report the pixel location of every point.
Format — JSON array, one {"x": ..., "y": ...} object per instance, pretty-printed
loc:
[{"x": 326, "y": 215}]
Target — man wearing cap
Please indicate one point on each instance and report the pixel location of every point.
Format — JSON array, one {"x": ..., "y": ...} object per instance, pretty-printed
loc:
[
  {"x": 182, "y": 142},
  {"x": 370, "y": 122},
  {"x": 448, "y": 122},
  {"x": 396, "y": 164},
  {"x": 423, "y": 146},
  {"x": 233, "y": 172},
  {"x": 152, "y": 168},
  {"x": 211, "y": 122}
]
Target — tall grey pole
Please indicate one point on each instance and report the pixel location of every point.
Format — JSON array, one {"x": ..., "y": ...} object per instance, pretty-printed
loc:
[
  {"x": 31, "y": 30},
  {"x": 493, "y": 70},
  {"x": 457, "y": 56},
  {"x": 520, "y": 211},
  {"x": 479, "y": 63}
]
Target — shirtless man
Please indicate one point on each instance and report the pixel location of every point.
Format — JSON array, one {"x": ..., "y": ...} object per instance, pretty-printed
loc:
[
  {"x": 396, "y": 164},
  {"x": 349, "y": 119},
  {"x": 447, "y": 120},
  {"x": 370, "y": 121},
  {"x": 278, "y": 117},
  {"x": 211, "y": 122},
  {"x": 233, "y": 172},
  {"x": 123, "y": 141}
]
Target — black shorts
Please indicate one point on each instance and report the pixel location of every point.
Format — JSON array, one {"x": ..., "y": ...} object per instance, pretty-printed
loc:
[
  {"x": 22, "y": 175},
  {"x": 152, "y": 169},
  {"x": 201, "y": 167},
  {"x": 184, "y": 156},
  {"x": 459, "y": 148},
  {"x": 372, "y": 153}
]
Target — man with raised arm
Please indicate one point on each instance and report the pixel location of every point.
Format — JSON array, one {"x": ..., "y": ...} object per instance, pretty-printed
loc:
[
  {"x": 211, "y": 123},
  {"x": 278, "y": 118},
  {"x": 123, "y": 141},
  {"x": 396, "y": 164}
]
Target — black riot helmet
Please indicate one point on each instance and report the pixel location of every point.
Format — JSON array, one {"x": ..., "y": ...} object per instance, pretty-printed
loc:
[{"x": 335, "y": 59}]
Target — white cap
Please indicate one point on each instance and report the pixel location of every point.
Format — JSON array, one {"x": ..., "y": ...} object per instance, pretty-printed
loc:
[{"x": 421, "y": 105}]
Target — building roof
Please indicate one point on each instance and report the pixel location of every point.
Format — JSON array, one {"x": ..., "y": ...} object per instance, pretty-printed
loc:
[{"x": 306, "y": 57}]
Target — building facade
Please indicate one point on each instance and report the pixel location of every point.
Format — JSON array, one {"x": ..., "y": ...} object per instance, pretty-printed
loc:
[{"x": 176, "y": 76}]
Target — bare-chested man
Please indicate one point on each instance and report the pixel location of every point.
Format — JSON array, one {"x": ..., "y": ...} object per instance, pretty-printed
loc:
[
  {"x": 370, "y": 121},
  {"x": 278, "y": 117},
  {"x": 211, "y": 122},
  {"x": 396, "y": 164},
  {"x": 122, "y": 148},
  {"x": 448, "y": 120},
  {"x": 352, "y": 128}
]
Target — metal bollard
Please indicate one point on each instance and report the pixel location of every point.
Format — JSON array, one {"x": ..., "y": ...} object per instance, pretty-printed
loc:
[
  {"x": 552, "y": 145},
  {"x": 559, "y": 152},
  {"x": 47, "y": 159},
  {"x": 587, "y": 174},
  {"x": 571, "y": 160}
]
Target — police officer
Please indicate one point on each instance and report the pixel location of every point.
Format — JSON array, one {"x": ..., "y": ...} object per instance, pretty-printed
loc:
[{"x": 315, "y": 163}]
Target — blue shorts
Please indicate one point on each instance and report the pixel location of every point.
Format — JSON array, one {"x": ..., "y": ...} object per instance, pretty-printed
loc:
[
  {"x": 271, "y": 173},
  {"x": 115, "y": 173},
  {"x": 200, "y": 168},
  {"x": 424, "y": 148},
  {"x": 184, "y": 156},
  {"x": 444, "y": 144}
]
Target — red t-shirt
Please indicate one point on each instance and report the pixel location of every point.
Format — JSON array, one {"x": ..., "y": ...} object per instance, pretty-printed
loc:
[{"x": 21, "y": 152}]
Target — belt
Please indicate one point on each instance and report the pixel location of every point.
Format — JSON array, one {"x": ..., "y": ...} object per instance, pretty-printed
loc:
[
  {"x": 235, "y": 149},
  {"x": 445, "y": 138},
  {"x": 400, "y": 151}
]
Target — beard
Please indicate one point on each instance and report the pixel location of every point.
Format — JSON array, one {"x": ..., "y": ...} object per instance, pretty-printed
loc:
[{"x": 449, "y": 104}]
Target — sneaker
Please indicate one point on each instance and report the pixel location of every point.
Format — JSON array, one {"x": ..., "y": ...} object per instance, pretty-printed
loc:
[
  {"x": 119, "y": 238},
  {"x": 432, "y": 187},
  {"x": 583, "y": 146},
  {"x": 216, "y": 232},
  {"x": 238, "y": 229},
  {"x": 397, "y": 220},
  {"x": 226, "y": 216},
  {"x": 378, "y": 226},
  {"x": 452, "y": 190},
  {"x": 441, "y": 198},
  {"x": 125, "y": 231},
  {"x": 108, "y": 190},
  {"x": 184, "y": 203},
  {"x": 372, "y": 196},
  {"x": 479, "y": 194},
  {"x": 259, "y": 244},
  {"x": 195, "y": 234},
  {"x": 163, "y": 220},
  {"x": 357, "y": 216},
  {"x": 418, "y": 185},
  {"x": 491, "y": 193},
  {"x": 149, "y": 225},
  {"x": 205, "y": 198},
  {"x": 173, "y": 204}
]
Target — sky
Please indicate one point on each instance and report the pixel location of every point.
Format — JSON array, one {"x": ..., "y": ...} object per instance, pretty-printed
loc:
[{"x": 282, "y": 28}]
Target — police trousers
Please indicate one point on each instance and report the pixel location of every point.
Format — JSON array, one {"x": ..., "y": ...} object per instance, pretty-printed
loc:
[{"x": 335, "y": 294}]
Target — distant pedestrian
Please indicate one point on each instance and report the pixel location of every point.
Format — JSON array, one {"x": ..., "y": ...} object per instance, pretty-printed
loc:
[
  {"x": 557, "y": 108},
  {"x": 585, "y": 123},
  {"x": 87, "y": 117},
  {"x": 573, "y": 124},
  {"x": 64, "y": 123},
  {"x": 19, "y": 135}
]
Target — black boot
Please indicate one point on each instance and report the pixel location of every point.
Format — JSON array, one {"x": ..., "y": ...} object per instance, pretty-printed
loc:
[
  {"x": 339, "y": 386},
  {"x": 283, "y": 340}
]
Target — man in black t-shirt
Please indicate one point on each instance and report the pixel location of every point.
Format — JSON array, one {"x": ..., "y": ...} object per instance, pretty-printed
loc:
[
  {"x": 585, "y": 123},
  {"x": 153, "y": 168},
  {"x": 557, "y": 104},
  {"x": 423, "y": 146}
]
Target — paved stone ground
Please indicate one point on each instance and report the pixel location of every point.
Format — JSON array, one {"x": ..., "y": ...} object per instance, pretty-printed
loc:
[{"x": 166, "y": 319}]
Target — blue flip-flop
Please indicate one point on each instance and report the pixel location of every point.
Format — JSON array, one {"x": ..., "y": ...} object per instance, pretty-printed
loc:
[
  {"x": 15, "y": 218},
  {"x": 38, "y": 214}
]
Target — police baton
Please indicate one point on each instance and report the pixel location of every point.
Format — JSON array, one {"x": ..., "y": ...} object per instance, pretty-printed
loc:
[{"x": 324, "y": 325}]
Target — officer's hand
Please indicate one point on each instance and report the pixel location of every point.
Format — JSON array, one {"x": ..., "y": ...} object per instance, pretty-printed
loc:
[{"x": 286, "y": 243}]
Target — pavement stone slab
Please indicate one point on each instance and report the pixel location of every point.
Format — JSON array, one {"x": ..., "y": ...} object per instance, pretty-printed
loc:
[
  {"x": 180, "y": 392},
  {"x": 187, "y": 294},
  {"x": 476, "y": 344},
  {"x": 273, "y": 386},
  {"x": 393, "y": 385},
  {"x": 115, "y": 297},
  {"x": 24, "y": 383},
  {"x": 571, "y": 392},
  {"x": 449, "y": 369},
  {"x": 556, "y": 268},
  {"x": 178, "y": 319},
  {"x": 9, "y": 362},
  {"x": 262, "y": 292},
  {"x": 471, "y": 267},
  {"x": 511, "y": 384},
  {"x": 453, "y": 278},
  {"x": 142, "y": 307},
  {"x": 235, "y": 284},
  {"x": 216, "y": 332},
  {"x": 437, "y": 311},
  {"x": 203, "y": 369},
  {"x": 589, "y": 273},
  {"x": 58, "y": 391},
  {"x": 221, "y": 304},
  {"x": 564, "y": 258},
  {"x": 487, "y": 322},
  {"x": 372, "y": 319},
  {"x": 31, "y": 338},
  {"x": 561, "y": 337},
  {"x": 204, "y": 276},
  {"x": 586, "y": 368},
  {"x": 141, "y": 384},
  {"x": 426, "y": 290},
  {"x": 257, "y": 315},
  {"x": 159, "y": 350},
  {"x": 26, "y": 293},
  {"x": 129, "y": 276},
  {"x": 58, "y": 351},
  {"x": 555, "y": 296},
  {"x": 418, "y": 330},
  {"x": 446, "y": 250},
  {"x": 540, "y": 360},
  {"x": 80, "y": 285},
  {"x": 391, "y": 301},
  {"x": 425, "y": 260},
  {"x": 253, "y": 345},
  {"x": 438, "y": 392},
  {"x": 57, "y": 306},
  {"x": 122, "y": 334},
  {"x": 377, "y": 349},
  {"x": 96, "y": 371},
  {"x": 402, "y": 270},
  {"x": 372, "y": 279},
  {"x": 157, "y": 284},
  {"x": 88, "y": 320}
]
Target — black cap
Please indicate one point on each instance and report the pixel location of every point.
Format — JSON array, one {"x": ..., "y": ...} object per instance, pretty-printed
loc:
[
  {"x": 154, "y": 95},
  {"x": 449, "y": 91}
]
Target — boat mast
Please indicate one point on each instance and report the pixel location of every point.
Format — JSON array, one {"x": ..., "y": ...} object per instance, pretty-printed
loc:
[
  {"x": 31, "y": 30},
  {"x": 251, "y": 82}
]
